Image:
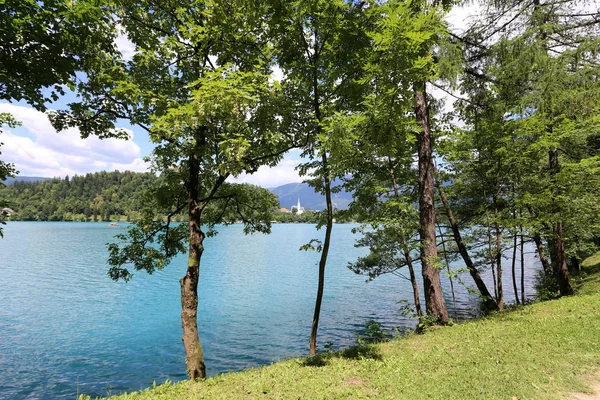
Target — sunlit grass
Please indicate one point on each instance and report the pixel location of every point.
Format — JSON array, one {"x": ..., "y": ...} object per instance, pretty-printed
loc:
[{"x": 588, "y": 281}]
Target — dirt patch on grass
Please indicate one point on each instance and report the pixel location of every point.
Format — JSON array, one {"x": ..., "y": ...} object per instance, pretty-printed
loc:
[
  {"x": 354, "y": 381},
  {"x": 594, "y": 387}
]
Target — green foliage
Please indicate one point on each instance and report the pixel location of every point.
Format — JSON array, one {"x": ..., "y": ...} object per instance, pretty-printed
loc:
[
  {"x": 529, "y": 94},
  {"x": 44, "y": 44},
  {"x": 546, "y": 287},
  {"x": 372, "y": 333},
  {"x": 6, "y": 169},
  {"x": 307, "y": 217},
  {"x": 386, "y": 246}
]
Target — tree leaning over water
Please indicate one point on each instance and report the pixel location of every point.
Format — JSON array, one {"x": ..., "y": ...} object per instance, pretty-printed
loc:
[{"x": 199, "y": 84}]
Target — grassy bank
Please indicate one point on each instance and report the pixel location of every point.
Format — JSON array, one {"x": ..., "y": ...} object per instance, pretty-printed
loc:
[{"x": 542, "y": 351}]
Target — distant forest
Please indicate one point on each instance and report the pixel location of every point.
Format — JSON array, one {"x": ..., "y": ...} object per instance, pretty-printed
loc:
[{"x": 102, "y": 196}]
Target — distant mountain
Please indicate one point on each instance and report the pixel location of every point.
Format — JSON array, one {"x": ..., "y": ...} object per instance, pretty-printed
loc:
[
  {"x": 10, "y": 181},
  {"x": 290, "y": 193}
]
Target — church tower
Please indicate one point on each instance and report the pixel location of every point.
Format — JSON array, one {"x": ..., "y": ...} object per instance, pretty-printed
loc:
[{"x": 299, "y": 209}]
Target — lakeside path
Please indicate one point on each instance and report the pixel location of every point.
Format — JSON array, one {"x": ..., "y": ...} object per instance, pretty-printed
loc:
[{"x": 548, "y": 350}]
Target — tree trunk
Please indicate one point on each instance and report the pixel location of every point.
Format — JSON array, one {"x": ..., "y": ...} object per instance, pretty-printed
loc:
[
  {"x": 486, "y": 297},
  {"x": 514, "y": 268},
  {"x": 407, "y": 257},
  {"x": 541, "y": 250},
  {"x": 492, "y": 258},
  {"x": 559, "y": 257},
  {"x": 323, "y": 260},
  {"x": 560, "y": 261},
  {"x": 194, "y": 356},
  {"x": 500, "y": 299},
  {"x": 443, "y": 240},
  {"x": 434, "y": 298},
  {"x": 413, "y": 278},
  {"x": 522, "y": 266}
]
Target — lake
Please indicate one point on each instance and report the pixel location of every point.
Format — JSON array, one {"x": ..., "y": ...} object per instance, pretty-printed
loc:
[{"x": 66, "y": 328}]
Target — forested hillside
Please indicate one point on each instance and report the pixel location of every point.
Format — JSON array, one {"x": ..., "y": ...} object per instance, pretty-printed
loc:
[
  {"x": 110, "y": 196},
  {"x": 92, "y": 197}
]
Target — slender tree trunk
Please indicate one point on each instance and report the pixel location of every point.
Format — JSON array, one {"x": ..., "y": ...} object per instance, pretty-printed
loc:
[
  {"x": 541, "y": 250},
  {"x": 407, "y": 257},
  {"x": 413, "y": 277},
  {"x": 329, "y": 204},
  {"x": 194, "y": 356},
  {"x": 559, "y": 257},
  {"x": 560, "y": 261},
  {"x": 499, "y": 259},
  {"x": 448, "y": 270},
  {"x": 522, "y": 266},
  {"x": 323, "y": 260},
  {"x": 434, "y": 298},
  {"x": 514, "y": 268},
  {"x": 486, "y": 297},
  {"x": 492, "y": 261}
]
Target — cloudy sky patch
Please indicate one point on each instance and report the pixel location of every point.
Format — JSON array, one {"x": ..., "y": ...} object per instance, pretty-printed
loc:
[{"x": 37, "y": 149}]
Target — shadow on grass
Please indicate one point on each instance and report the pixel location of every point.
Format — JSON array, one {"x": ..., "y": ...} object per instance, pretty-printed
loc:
[
  {"x": 359, "y": 352},
  {"x": 588, "y": 280}
]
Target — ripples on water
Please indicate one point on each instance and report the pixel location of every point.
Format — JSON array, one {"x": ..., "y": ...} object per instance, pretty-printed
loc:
[{"x": 66, "y": 328}]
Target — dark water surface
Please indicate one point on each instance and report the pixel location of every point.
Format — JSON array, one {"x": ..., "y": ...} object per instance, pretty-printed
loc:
[{"x": 66, "y": 328}]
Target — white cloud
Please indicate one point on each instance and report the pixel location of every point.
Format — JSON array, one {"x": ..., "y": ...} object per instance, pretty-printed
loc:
[
  {"x": 44, "y": 152},
  {"x": 270, "y": 177},
  {"x": 460, "y": 17},
  {"x": 125, "y": 46},
  {"x": 277, "y": 74}
]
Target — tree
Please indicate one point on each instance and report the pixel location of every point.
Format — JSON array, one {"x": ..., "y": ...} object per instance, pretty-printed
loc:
[
  {"x": 489, "y": 302},
  {"x": 404, "y": 41},
  {"x": 318, "y": 46},
  {"x": 374, "y": 156},
  {"x": 199, "y": 84}
]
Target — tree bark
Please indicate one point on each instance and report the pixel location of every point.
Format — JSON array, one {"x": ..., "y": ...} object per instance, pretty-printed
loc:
[
  {"x": 522, "y": 266},
  {"x": 539, "y": 245},
  {"x": 413, "y": 277},
  {"x": 514, "y": 268},
  {"x": 323, "y": 260},
  {"x": 492, "y": 259},
  {"x": 559, "y": 257},
  {"x": 498, "y": 234},
  {"x": 488, "y": 301},
  {"x": 448, "y": 270},
  {"x": 194, "y": 356},
  {"x": 434, "y": 298}
]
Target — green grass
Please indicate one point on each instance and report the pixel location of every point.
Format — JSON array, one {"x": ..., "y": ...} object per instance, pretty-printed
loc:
[
  {"x": 542, "y": 351},
  {"x": 588, "y": 281}
]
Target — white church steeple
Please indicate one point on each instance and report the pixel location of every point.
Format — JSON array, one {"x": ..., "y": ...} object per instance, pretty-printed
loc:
[{"x": 299, "y": 209}]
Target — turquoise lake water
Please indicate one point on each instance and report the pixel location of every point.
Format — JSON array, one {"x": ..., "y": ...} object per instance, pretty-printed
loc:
[{"x": 66, "y": 328}]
